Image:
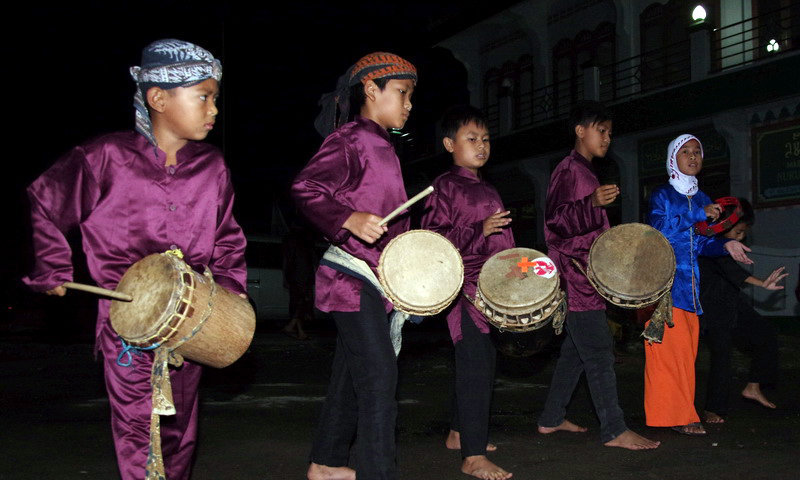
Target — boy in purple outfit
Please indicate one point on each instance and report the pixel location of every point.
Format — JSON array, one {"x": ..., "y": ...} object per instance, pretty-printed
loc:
[
  {"x": 574, "y": 218},
  {"x": 469, "y": 212},
  {"x": 344, "y": 191},
  {"x": 133, "y": 194}
]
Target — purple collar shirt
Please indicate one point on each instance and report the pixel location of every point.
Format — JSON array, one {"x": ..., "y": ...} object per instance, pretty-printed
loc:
[
  {"x": 459, "y": 204},
  {"x": 128, "y": 205},
  {"x": 571, "y": 224},
  {"x": 355, "y": 169}
]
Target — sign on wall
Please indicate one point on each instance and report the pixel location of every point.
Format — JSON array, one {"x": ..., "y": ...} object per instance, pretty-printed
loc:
[{"x": 776, "y": 164}]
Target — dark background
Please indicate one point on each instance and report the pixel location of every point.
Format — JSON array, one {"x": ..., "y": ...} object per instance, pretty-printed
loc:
[{"x": 66, "y": 80}]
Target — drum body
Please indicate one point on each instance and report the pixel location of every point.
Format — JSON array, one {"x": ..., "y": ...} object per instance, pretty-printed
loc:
[
  {"x": 177, "y": 307},
  {"x": 631, "y": 265},
  {"x": 421, "y": 272},
  {"x": 518, "y": 292}
]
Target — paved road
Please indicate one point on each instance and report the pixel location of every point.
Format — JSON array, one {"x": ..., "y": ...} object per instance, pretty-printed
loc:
[{"x": 257, "y": 417}]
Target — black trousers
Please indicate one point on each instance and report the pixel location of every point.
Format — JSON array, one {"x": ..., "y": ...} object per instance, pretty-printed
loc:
[
  {"x": 475, "y": 365},
  {"x": 588, "y": 347},
  {"x": 751, "y": 333},
  {"x": 361, "y": 401}
]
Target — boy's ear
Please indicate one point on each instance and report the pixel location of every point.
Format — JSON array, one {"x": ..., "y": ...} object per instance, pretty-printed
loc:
[
  {"x": 369, "y": 90},
  {"x": 157, "y": 99},
  {"x": 580, "y": 130},
  {"x": 448, "y": 144}
]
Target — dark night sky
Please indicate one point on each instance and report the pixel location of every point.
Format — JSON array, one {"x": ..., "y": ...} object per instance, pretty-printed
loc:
[{"x": 66, "y": 80}]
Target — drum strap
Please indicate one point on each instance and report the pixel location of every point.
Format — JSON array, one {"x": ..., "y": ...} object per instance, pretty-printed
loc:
[
  {"x": 654, "y": 332},
  {"x": 163, "y": 403},
  {"x": 343, "y": 262}
]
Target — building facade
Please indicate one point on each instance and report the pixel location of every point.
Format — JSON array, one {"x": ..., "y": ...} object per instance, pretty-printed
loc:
[{"x": 728, "y": 72}]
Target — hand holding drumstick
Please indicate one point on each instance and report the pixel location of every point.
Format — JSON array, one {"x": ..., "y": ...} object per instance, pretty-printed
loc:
[
  {"x": 369, "y": 227},
  {"x": 59, "y": 291},
  {"x": 364, "y": 225}
]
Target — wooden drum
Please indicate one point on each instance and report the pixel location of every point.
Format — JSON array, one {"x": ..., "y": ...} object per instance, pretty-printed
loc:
[
  {"x": 421, "y": 272},
  {"x": 189, "y": 313},
  {"x": 631, "y": 265},
  {"x": 518, "y": 292}
]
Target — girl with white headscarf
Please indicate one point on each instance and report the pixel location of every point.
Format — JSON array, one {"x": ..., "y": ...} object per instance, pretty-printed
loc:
[{"x": 674, "y": 209}]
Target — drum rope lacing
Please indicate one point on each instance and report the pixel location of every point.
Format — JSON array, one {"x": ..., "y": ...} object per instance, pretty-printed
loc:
[{"x": 553, "y": 313}]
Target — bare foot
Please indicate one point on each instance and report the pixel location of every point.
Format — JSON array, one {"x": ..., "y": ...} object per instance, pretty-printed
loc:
[
  {"x": 566, "y": 426},
  {"x": 632, "y": 441},
  {"x": 753, "y": 392},
  {"x": 453, "y": 442},
  {"x": 479, "y": 466},
  {"x": 711, "y": 417},
  {"x": 692, "y": 429},
  {"x": 324, "y": 472}
]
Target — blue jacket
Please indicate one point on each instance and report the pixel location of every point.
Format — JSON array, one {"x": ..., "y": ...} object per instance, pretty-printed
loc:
[{"x": 674, "y": 215}]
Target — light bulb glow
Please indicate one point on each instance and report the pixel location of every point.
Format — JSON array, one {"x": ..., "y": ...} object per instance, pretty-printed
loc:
[
  {"x": 773, "y": 46},
  {"x": 699, "y": 13}
]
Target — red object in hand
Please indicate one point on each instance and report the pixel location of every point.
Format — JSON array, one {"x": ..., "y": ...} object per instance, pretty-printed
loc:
[{"x": 735, "y": 213}]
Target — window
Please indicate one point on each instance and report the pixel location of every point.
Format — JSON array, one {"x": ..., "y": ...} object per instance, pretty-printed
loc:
[{"x": 571, "y": 56}]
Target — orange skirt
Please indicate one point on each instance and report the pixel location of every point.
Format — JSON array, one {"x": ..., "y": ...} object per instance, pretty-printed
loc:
[{"x": 669, "y": 373}]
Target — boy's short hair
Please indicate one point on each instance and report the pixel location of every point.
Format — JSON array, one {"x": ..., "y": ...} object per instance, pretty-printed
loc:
[
  {"x": 587, "y": 112},
  {"x": 358, "y": 98},
  {"x": 460, "y": 115}
]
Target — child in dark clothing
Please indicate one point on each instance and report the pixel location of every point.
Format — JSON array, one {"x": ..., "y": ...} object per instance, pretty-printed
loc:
[{"x": 729, "y": 320}]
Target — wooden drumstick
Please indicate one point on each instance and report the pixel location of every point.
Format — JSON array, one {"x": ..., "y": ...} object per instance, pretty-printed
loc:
[
  {"x": 402, "y": 207},
  {"x": 99, "y": 291}
]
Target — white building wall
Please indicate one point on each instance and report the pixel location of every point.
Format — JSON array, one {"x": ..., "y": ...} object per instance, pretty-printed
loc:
[{"x": 775, "y": 237}]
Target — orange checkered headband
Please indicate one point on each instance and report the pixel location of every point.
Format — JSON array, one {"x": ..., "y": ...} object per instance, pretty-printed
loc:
[{"x": 336, "y": 105}]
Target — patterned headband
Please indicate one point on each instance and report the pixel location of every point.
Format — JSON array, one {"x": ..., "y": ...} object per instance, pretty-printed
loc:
[
  {"x": 336, "y": 105},
  {"x": 169, "y": 64},
  {"x": 381, "y": 65}
]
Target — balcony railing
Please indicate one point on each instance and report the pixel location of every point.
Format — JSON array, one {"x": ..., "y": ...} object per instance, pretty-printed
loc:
[
  {"x": 633, "y": 76},
  {"x": 758, "y": 38},
  {"x": 643, "y": 73},
  {"x": 755, "y": 39},
  {"x": 538, "y": 106}
]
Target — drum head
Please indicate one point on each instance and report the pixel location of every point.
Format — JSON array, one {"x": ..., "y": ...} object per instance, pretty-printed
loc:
[
  {"x": 517, "y": 280},
  {"x": 151, "y": 282},
  {"x": 421, "y": 271},
  {"x": 633, "y": 261}
]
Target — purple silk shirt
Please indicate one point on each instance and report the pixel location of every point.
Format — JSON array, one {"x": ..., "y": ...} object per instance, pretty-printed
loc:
[
  {"x": 128, "y": 205},
  {"x": 355, "y": 170},
  {"x": 456, "y": 209},
  {"x": 571, "y": 224}
]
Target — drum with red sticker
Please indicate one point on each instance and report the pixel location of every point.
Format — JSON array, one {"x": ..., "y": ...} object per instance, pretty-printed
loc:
[{"x": 519, "y": 294}]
